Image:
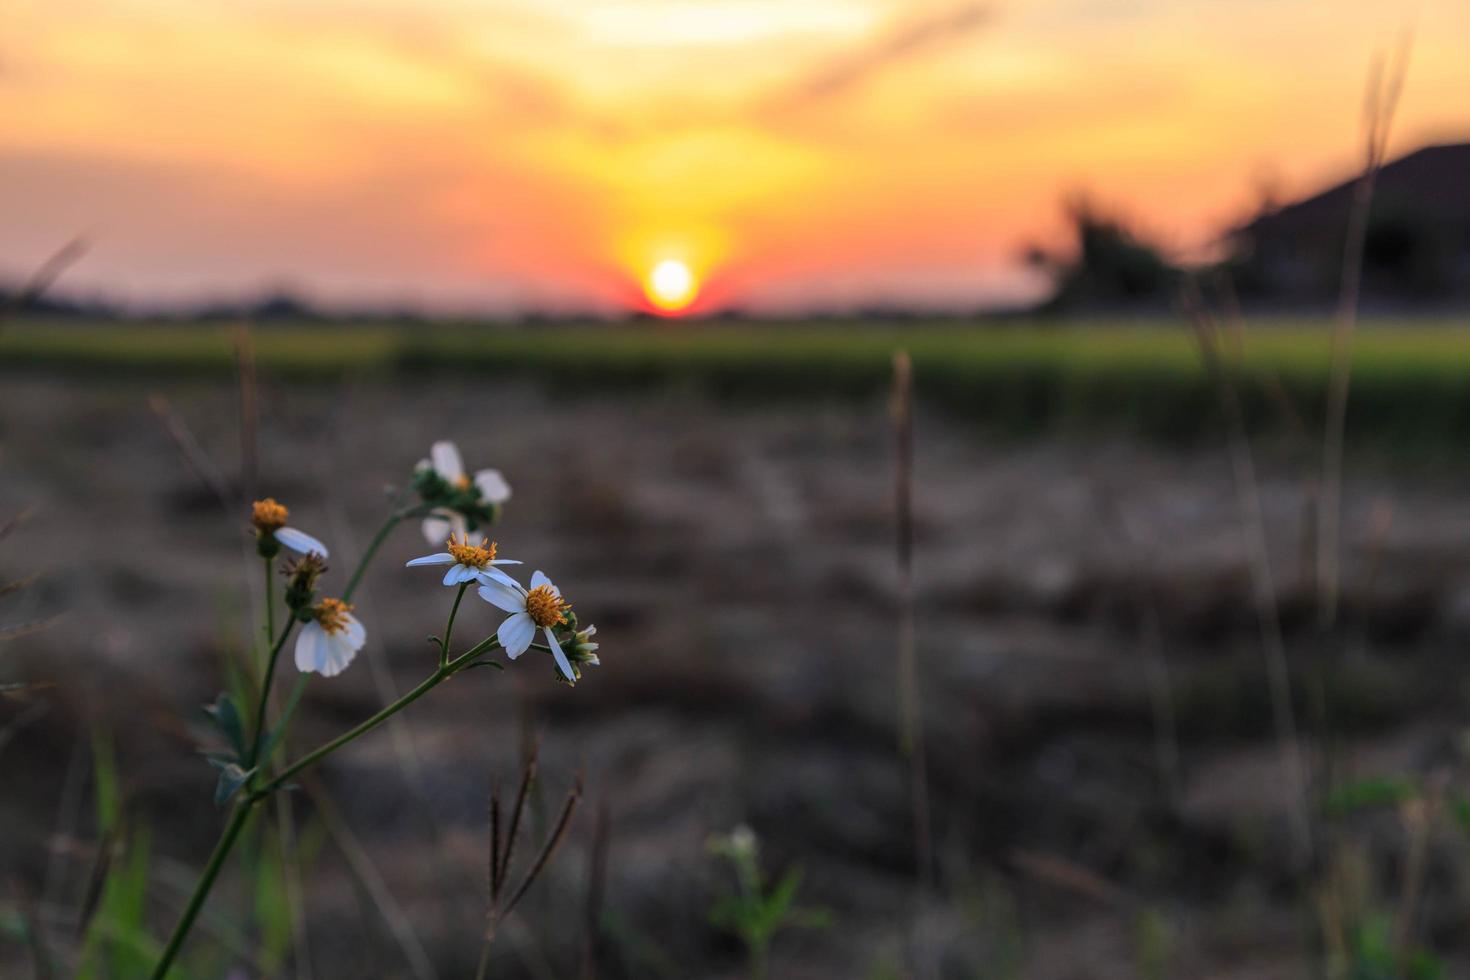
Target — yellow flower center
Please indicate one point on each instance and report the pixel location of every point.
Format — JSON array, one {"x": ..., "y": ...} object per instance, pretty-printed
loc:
[
  {"x": 545, "y": 607},
  {"x": 331, "y": 614},
  {"x": 462, "y": 482},
  {"x": 268, "y": 516},
  {"x": 473, "y": 555}
]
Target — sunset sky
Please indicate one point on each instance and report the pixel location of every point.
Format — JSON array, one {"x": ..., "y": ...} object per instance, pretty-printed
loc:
[{"x": 511, "y": 154}]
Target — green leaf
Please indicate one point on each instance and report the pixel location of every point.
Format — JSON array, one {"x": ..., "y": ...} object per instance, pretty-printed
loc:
[
  {"x": 1366, "y": 793},
  {"x": 1459, "y": 807},
  {"x": 779, "y": 901},
  {"x": 226, "y": 717},
  {"x": 231, "y": 779},
  {"x": 104, "y": 780},
  {"x": 272, "y": 902}
]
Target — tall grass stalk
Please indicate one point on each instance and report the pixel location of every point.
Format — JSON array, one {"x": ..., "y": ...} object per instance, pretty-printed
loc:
[
  {"x": 1263, "y": 586},
  {"x": 911, "y": 723},
  {"x": 1385, "y": 84}
]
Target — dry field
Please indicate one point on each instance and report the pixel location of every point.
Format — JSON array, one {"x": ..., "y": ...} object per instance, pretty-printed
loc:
[{"x": 1105, "y": 779}]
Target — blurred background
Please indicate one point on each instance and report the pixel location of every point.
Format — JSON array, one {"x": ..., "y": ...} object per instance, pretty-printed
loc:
[{"x": 1012, "y": 454}]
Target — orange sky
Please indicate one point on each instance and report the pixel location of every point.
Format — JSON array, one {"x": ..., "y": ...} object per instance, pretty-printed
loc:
[{"x": 505, "y": 154}]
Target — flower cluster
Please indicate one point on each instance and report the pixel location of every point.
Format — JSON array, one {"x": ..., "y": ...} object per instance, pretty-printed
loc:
[
  {"x": 540, "y": 607},
  {"x": 465, "y": 504},
  {"x": 458, "y": 503},
  {"x": 331, "y": 635}
]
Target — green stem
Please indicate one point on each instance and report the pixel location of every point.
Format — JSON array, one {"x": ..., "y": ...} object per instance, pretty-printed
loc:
[
  {"x": 242, "y": 811},
  {"x": 202, "y": 887},
  {"x": 270, "y": 608},
  {"x": 265, "y": 692},
  {"x": 449, "y": 626},
  {"x": 376, "y": 543},
  {"x": 432, "y": 681},
  {"x": 482, "y": 971}
]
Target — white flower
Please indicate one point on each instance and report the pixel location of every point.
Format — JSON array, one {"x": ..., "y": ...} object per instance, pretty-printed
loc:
[
  {"x": 327, "y": 644},
  {"x": 269, "y": 519},
  {"x": 443, "y": 523},
  {"x": 300, "y": 541},
  {"x": 470, "y": 560},
  {"x": 444, "y": 460},
  {"x": 542, "y": 607}
]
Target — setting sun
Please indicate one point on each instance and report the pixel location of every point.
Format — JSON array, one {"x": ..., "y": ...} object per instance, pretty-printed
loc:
[{"x": 671, "y": 286}]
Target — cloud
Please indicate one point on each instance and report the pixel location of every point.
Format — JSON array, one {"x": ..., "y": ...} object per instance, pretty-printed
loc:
[{"x": 900, "y": 41}]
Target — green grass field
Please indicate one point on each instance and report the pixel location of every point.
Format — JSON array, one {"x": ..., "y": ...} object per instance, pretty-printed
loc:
[{"x": 1411, "y": 384}]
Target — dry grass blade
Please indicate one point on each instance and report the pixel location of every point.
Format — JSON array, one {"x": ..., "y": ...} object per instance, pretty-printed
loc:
[
  {"x": 549, "y": 848},
  {"x": 194, "y": 455},
  {"x": 18, "y": 521},
  {"x": 1419, "y": 817},
  {"x": 1263, "y": 588},
  {"x": 97, "y": 879},
  {"x": 1071, "y": 877},
  {"x": 1385, "y": 84},
  {"x": 371, "y": 879},
  {"x": 596, "y": 889},
  {"x": 18, "y": 630},
  {"x": 494, "y": 845},
  {"x": 500, "y": 868},
  {"x": 19, "y": 585},
  {"x": 911, "y": 734},
  {"x": 528, "y": 776},
  {"x": 41, "y": 280}
]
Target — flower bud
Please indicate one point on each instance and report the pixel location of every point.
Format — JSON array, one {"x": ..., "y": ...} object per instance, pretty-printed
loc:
[
  {"x": 582, "y": 650},
  {"x": 301, "y": 578},
  {"x": 268, "y": 517}
]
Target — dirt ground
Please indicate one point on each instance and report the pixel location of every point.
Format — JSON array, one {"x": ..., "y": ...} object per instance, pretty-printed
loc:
[{"x": 1108, "y": 789}]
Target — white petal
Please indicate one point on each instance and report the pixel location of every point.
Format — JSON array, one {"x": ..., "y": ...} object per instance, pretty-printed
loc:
[
  {"x": 356, "y": 634},
  {"x": 538, "y": 579},
  {"x": 492, "y": 486},
  {"x": 561, "y": 658},
  {"x": 510, "y": 600},
  {"x": 506, "y": 561},
  {"x": 308, "y": 657},
  {"x": 590, "y": 631},
  {"x": 458, "y": 574},
  {"x": 492, "y": 575},
  {"x": 515, "y": 634},
  {"x": 340, "y": 652},
  {"x": 443, "y": 558},
  {"x": 300, "y": 541},
  {"x": 447, "y": 463},
  {"x": 436, "y": 529}
]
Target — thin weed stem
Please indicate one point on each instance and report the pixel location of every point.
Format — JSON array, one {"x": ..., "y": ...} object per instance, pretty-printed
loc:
[
  {"x": 449, "y": 626},
  {"x": 243, "y": 809},
  {"x": 265, "y": 687}
]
